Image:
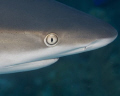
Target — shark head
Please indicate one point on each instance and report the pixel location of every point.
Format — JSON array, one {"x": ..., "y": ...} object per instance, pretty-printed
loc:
[
  {"x": 39, "y": 37},
  {"x": 65, "y": 43},
  {"x": 73, "y": 42},
  {"x": 84, "y": 34}
]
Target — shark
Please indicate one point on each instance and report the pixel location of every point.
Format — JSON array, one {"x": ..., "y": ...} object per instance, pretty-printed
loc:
[{"x": 36, "y": 33}]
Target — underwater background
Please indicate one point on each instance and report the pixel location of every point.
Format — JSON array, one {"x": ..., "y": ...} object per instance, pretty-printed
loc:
[{"x": 94, "y": 73}]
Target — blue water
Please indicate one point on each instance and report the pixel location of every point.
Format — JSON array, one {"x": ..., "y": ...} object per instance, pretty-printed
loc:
[
  {"x": 100, "y": 2},
  {"x": 95, "y": 73}
]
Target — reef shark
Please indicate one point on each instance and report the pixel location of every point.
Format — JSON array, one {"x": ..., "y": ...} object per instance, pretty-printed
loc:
[{"x": 35, "y": 33}]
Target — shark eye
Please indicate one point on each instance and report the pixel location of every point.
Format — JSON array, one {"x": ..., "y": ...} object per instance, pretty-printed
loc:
[{"x": 51, "y": 39}]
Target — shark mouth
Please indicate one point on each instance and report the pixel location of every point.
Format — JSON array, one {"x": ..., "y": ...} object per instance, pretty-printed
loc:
[{"x": 92, "y": 46}]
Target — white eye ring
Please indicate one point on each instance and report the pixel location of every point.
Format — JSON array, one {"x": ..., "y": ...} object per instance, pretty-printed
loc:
[{"x": 51, "y": 39}]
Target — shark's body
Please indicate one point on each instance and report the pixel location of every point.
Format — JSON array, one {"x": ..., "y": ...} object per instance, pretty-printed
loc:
[{"x": 25, "y": 24}]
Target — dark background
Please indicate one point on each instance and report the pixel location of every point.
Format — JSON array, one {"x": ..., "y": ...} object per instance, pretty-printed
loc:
[{"x": 94, "y": 73}]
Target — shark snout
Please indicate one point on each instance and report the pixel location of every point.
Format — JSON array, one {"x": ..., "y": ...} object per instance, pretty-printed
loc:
[{"x": 101, "y": 42}]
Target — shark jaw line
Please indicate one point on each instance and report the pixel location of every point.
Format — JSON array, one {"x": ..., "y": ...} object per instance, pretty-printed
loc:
[
  {"x": 7, "y": 66},
  {"x": 27, "y": 66},
  {"x": 67, "y": 51},
  {"x": 88, "y": 47}
]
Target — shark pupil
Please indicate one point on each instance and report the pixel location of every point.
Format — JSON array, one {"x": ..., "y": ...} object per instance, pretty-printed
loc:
[{"x": 51, "y": 39}]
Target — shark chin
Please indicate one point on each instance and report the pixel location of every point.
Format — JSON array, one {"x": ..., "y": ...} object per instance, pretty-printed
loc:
[{"x": 27, "y": 66}]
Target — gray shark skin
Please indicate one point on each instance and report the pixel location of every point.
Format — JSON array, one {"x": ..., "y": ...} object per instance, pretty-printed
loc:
[{"x": 24, "y": 26}]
